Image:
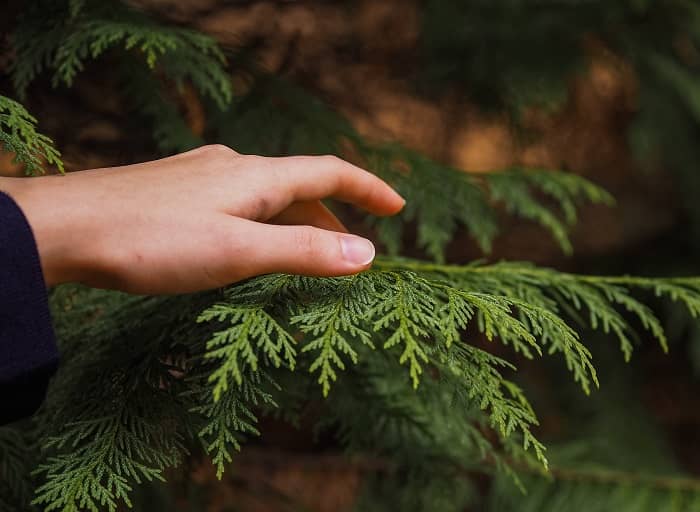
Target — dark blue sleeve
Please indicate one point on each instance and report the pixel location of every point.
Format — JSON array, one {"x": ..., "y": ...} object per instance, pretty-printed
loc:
[{"x": 28, "y": 352}]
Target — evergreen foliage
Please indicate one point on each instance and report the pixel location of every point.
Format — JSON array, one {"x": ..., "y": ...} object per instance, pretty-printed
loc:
[
  {"x": 59, "y": 37},
  {"x": 18, "y": 135},
  {"x": 414, "y": 363},
  {"x": 511, "y": 55},
  {"x": 15, "y": 485},
  {"x": 467, "y": 201},
  {"x": 420, "y": 315},
  {"x": 607, "y": 464}
]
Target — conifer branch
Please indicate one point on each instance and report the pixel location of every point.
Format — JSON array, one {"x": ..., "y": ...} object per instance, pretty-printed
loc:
[
  {"x": 60, "y": 37},
  {"x": 97, "y": 456},
  {"x": 332, "y": 325},
  {"x": 228, "y": 417},
  {"x": 620, "y": 490},
  {"x": 18, "y": 135},
  {"x": 254, "y": 333},
  {"x": 429, "y": 311},
  {"x": 16, "y": 460},
  {"x": 560, "y": 292}
]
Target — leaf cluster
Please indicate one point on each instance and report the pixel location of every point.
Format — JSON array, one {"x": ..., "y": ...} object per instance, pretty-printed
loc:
[
  {"x": 59, "y": 37},
  {"x": 156, "y": 60},
  {"x": 18, "y": 135}
]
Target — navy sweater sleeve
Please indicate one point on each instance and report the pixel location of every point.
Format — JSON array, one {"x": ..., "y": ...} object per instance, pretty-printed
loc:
[{"x": 28, "y": 352}]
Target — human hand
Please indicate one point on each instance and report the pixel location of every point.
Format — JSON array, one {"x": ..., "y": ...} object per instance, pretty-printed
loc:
[{"x": 199, "y": 220}]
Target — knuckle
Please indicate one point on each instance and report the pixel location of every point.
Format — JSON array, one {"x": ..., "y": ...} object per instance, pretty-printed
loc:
[
  {"x": 219, "y": 151},
  {"x": 331, "y": 159}
]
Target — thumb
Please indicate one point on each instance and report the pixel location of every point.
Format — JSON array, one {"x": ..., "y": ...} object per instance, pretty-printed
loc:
[{"x": 305, "y": 250}]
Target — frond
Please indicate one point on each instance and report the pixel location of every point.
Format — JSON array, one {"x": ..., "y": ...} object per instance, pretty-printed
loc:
[
  {"x": 114, "y": 441},
  {"x": 599, "y": 489},
  {"x": 331, "y": 324},
  {"x": 468, "y": 200},
  {"x": 16, "y": 458},
  {"x": 252, "y": 334},
  {"x": 229, "y": 417},
  {"x": 18, "y": 135},
  {"x": 421, "y": 321},
  {"x": 65, "y": 35},
  {"x": 513, "y": 188},
  {"x": 598, "y": 297}
]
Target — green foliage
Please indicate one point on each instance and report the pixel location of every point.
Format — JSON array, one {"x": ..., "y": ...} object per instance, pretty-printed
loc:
[
  {"x": 15, "y": 467},
  {"x": 511, "y": 55},
  {"x": 60, "y": 38},
  {"x": 228, "y": 415},
  {"x": 468, "y": 200},
  {"x": 66, "y": 34},
  {"x": 103, "y": 451},
  {"x": 604, "y": 464},
  {"x": 597, "y": 297},
  {"x": 254, "y": 334},
  {"x": 18, "y": 135},
  {"x": 513, "y": 190},
  {"x": 600, "y": 489},
  {"x": 113, "y": 413},
  {"x": 144, "y": 398},
  {"x": 148, "y": 99},
  {"x": 411, "y": 314},
  {"x": 426, "y": 314},
  {"x": 332, "y": 325},
  {"x": 426, "y": 319},
  {"x": 112, "y": 418}
]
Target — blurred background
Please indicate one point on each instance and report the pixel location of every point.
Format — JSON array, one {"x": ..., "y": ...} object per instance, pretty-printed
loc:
[{"x": 607, "y": 90}]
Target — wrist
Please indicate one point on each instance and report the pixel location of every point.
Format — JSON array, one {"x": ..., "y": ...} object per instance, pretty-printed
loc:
[{"x": 56, "y": 235}]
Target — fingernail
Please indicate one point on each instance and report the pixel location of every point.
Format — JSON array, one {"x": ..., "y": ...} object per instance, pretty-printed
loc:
[{"x": 357, "y": 250}]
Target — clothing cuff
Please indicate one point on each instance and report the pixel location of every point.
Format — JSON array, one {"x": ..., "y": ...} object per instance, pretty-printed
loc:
[{"x": 28, "y": 351}]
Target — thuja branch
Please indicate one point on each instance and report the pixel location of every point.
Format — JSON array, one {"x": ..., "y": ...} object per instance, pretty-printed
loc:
[
  {"x": 527, "y": 269},
  {"x": 598, "y": 297},
  {"x": 18, "y": 135}
]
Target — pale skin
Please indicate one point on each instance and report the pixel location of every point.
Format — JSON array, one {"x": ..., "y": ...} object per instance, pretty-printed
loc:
[{"x": 199, "y": 220}]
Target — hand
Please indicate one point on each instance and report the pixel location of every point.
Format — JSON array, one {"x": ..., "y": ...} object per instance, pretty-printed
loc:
[{"x": 199, "y": 220}]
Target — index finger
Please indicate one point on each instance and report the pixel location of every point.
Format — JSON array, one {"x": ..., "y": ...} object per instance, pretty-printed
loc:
[{"x": 308, "y": 178}]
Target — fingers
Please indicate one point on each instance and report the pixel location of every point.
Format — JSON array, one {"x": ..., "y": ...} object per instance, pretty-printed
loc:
[
  {"x": 310, "y": 178},
  {"x": 303, "y": 250},
  {"x": 311, "y": 213}
]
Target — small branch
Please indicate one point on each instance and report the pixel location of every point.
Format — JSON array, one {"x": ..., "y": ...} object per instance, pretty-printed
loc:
[{"x": 386, "y": 263}]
